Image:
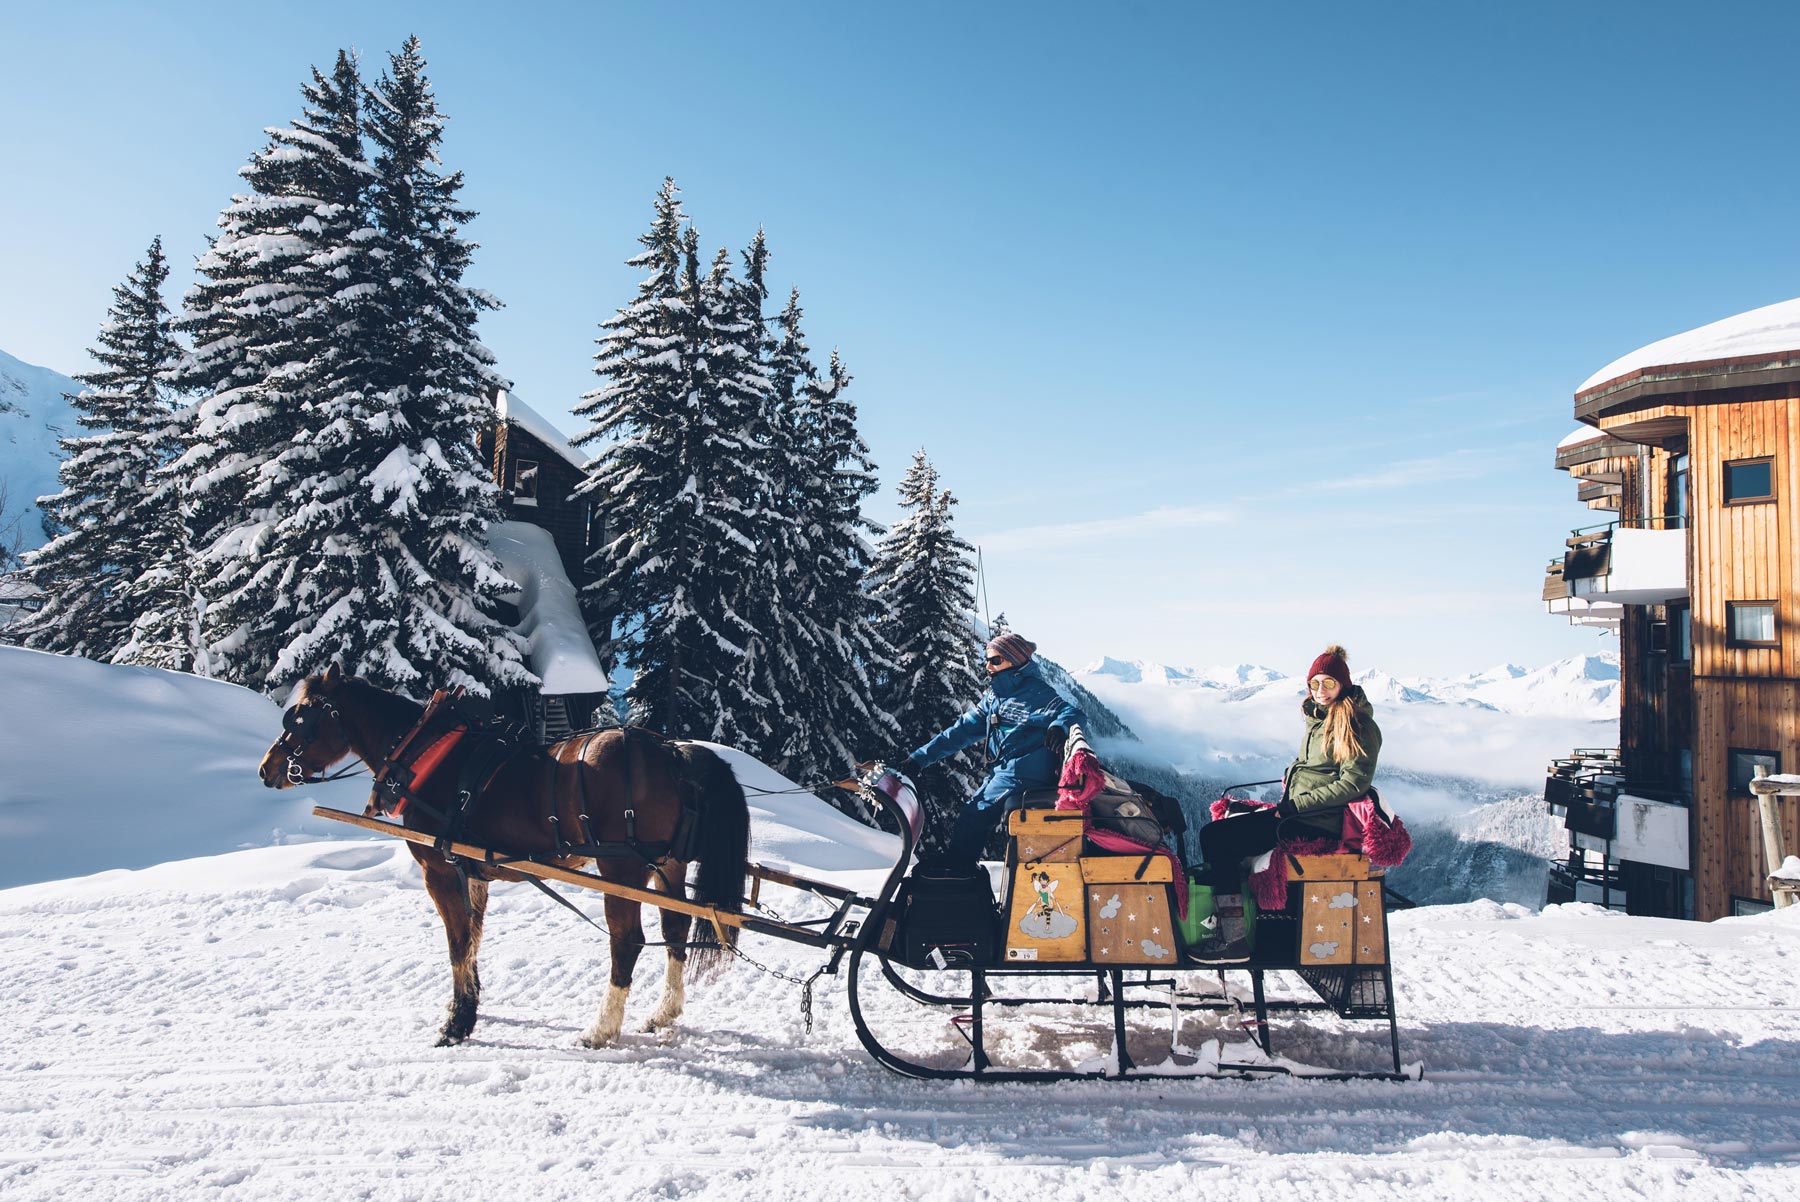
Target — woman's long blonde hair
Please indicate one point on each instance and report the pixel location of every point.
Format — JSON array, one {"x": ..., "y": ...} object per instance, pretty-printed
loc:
[{"x": 1341, "y": 743}]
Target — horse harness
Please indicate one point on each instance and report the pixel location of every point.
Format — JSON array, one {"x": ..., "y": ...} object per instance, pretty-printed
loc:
[{"x": 444, "y": 727}]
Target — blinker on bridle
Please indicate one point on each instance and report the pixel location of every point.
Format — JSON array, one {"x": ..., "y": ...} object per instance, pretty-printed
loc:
[{"x": 300, "y": 726}]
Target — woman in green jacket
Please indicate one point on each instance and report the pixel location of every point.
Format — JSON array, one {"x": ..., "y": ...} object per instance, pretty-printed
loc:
[{"x": 1334, "y": 768}]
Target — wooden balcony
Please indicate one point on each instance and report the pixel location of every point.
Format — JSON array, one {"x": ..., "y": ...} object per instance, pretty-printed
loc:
[{"x": 1627, "y": 564}]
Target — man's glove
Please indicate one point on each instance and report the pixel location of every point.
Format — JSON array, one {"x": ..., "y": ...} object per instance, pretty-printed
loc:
[
  {"x": 1056, "y": 738},
  {"x": 908, "y": 765}
]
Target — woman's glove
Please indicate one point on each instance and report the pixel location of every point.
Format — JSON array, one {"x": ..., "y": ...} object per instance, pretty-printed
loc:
[
  {"x": 1287, "y": 808},
  {"x": 1056, "y": 738}
]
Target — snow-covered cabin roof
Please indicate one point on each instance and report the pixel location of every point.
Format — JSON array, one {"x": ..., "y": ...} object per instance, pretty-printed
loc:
[
  {"x": 1770, "y": 330},
  {"x": 1580, "y": 435},
  {"x": 556, "y": 638},
  {"x": 512, "y": 409}
]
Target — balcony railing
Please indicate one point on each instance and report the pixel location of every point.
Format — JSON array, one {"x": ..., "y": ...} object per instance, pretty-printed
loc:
[
  {"x": 1606, "y": 812},
  {"x": 1643, "y": 562},
  {"x": 1581, "y": 611}
]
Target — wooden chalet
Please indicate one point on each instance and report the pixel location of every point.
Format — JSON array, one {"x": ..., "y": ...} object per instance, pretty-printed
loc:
[
  {"x": 1689, "y": 449},
  {"x": 543, "y": 544}
]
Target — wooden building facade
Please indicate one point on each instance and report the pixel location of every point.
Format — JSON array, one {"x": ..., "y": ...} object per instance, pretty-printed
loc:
[{"x": 1697, "y": 440}]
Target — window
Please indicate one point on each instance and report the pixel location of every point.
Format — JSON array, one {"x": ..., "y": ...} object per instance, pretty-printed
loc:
[
  {"x": 525, "y": 482},
  {"x": 1741, "y": 767},
  {"x": 1751, "y": 623},
  {"x": 1749, "y": 480},
  {"x": 1659, "y": 638},
  {"x": 1678, "y": 493},
  {"x": 1743, "y": 907}
]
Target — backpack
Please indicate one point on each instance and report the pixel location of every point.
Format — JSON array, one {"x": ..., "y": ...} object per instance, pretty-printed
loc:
[{"x": 943, "y": 920}]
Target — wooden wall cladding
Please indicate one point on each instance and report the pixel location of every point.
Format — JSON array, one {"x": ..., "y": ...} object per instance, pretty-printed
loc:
[
  {"x": 1727, "y": 835},
  {"x": 1742, "y": 552}
]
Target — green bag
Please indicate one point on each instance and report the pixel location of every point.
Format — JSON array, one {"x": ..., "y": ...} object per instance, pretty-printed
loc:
[{"x": 1195, "y": 929}]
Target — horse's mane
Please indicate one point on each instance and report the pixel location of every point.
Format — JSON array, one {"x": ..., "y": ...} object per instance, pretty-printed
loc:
[{"x": 389, "y": 706}]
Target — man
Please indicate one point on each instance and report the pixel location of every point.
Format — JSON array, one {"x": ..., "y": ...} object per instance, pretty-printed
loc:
[{"x": 1026, "y": 722}]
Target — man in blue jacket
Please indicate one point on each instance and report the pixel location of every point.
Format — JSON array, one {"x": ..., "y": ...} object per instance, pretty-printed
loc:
[{"x": 1026, "y": 723}]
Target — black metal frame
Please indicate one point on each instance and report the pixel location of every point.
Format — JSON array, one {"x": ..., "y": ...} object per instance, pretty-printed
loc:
[{"x": 1349, "y": 991}]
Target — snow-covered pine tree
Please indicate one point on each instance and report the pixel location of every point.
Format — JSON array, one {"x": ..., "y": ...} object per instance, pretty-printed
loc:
[
  {"x": 256, "y": 325},
  {"x": 108, "y": 528},
  {"x": 386, "y": 549},
  {"x": 761, "y": 708},
  {"x": 924, "y": 576},
  {"x": 671, "y": 453},
  {"x": 851, "y": 653},
  {"x": 167, "y": 632}
]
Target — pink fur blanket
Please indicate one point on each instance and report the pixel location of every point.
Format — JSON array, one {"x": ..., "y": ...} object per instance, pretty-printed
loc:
[{"x": 1384, "y": 839}]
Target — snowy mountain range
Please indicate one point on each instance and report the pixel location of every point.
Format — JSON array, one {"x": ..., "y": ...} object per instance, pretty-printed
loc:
[
  {"x": 1584, "y": 686},
  {"x": 34, "y": 413}
]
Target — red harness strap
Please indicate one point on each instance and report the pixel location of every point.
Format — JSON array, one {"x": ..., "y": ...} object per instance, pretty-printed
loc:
[{"x": 429, "y": 761}]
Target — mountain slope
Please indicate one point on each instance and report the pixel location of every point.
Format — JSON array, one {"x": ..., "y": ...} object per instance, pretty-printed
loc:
[{"x": 34, "y": 413}]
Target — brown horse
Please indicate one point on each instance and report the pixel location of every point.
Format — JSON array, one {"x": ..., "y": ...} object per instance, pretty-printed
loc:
[{"x": 622, "y": 793}]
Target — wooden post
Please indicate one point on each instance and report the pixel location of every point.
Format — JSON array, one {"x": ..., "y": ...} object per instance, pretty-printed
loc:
[{"x": 1773, "y": 851}]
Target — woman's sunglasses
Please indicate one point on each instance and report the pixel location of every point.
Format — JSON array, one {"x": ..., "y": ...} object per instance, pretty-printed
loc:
[{"x": 996, "y": 661}]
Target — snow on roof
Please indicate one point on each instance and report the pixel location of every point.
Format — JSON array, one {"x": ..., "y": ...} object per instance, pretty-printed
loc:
[
  {"x": 1581, "y": 434},
  {"x": 1768, "y": 330},
  {"x": 512, "y": 409},
  {"x": 556, "y": 637}
]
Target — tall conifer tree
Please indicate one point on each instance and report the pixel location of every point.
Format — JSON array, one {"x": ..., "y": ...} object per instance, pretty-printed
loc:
[
  {"x": 390, "y": 545},
  {"x": 107, "y": 528},
  {"x": 924, "y": 576},
  {"x": 667, "y": 485},
  {"x": 256, "y": 322}
]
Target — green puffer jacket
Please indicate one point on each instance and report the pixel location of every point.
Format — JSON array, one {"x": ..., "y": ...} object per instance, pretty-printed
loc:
[{"x": 1318, "y": 786}]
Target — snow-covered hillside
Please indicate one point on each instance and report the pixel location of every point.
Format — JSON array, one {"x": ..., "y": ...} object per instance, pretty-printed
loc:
[
  {"x": 107, "y": 767},
  {"x": 33, "y": 415}
]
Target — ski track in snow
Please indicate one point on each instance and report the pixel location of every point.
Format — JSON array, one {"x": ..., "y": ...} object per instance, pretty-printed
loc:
[{"x": 259, "y": 1025}]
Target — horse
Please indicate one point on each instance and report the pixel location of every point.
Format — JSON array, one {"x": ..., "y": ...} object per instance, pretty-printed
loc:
[{"x": 634, "y": 800}]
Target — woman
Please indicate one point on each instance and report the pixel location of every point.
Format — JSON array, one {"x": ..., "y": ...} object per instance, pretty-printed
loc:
[
  {"x": 1334, "y": 768},
  {"x": 1026, "y": 722}
]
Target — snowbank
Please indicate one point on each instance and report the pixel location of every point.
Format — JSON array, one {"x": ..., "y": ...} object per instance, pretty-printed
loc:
[
  {"x": 112, "y": 767},
  {"x": 107, "y": 767}
]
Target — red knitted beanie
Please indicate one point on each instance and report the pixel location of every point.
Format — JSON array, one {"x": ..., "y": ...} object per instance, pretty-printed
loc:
[{"x": 1332, "y": 662}]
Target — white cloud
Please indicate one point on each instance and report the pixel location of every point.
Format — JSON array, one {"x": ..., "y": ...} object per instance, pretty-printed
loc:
[{"x": 1135, "y": 525}]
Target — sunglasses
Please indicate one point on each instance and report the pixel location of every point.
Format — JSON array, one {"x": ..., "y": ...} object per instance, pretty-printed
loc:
[
  {"x": 995, "y": 661},
  {"x": 1320, "y": 684}
]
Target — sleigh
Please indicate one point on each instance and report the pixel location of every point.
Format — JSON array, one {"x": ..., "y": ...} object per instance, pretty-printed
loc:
[{"x": 1111, "y": 947}]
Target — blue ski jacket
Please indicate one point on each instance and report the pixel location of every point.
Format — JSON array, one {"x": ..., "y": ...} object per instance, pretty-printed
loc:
[{"x": 1017, "y": 709}]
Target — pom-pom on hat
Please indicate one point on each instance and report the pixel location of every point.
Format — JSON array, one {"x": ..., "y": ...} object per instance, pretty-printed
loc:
[
  {"x": 1016, "y": 650},
  {"x": 1334, "y": 662}
]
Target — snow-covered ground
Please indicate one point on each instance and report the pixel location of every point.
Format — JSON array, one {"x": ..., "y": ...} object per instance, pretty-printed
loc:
[{"x": 259, "y": 1025}]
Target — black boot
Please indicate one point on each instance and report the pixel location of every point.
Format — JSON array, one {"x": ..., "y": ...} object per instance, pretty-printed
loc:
[{"x": 1229, "y": 943}]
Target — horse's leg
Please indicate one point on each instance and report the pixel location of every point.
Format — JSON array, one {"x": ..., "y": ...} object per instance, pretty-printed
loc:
[
  {"x": 672, "y": 879},
  {"x": 624, "y": 919},
  {"x": 462, "y": 928}
]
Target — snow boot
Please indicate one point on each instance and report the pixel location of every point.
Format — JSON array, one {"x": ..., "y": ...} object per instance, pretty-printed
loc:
[{"x": 1229, "y": 943}]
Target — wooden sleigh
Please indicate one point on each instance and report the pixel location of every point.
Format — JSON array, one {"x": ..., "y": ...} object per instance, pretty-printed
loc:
[{"x": 1349, "y": 975}]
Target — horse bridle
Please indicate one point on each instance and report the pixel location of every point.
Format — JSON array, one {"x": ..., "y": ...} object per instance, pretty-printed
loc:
[{"x": 299, "y": 730}]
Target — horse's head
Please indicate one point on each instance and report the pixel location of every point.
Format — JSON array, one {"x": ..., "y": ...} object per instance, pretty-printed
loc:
[{"x": 312, "y": 737}]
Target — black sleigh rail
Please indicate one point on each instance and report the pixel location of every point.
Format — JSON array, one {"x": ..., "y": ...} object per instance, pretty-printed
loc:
[{"x": 859, "y": 934}]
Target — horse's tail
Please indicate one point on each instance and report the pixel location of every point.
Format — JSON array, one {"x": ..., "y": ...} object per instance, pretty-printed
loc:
[{"x": 722, "y": 845}]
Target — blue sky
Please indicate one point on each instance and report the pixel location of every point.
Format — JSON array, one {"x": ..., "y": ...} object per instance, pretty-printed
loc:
[{"x": 1235, "y": 329}]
